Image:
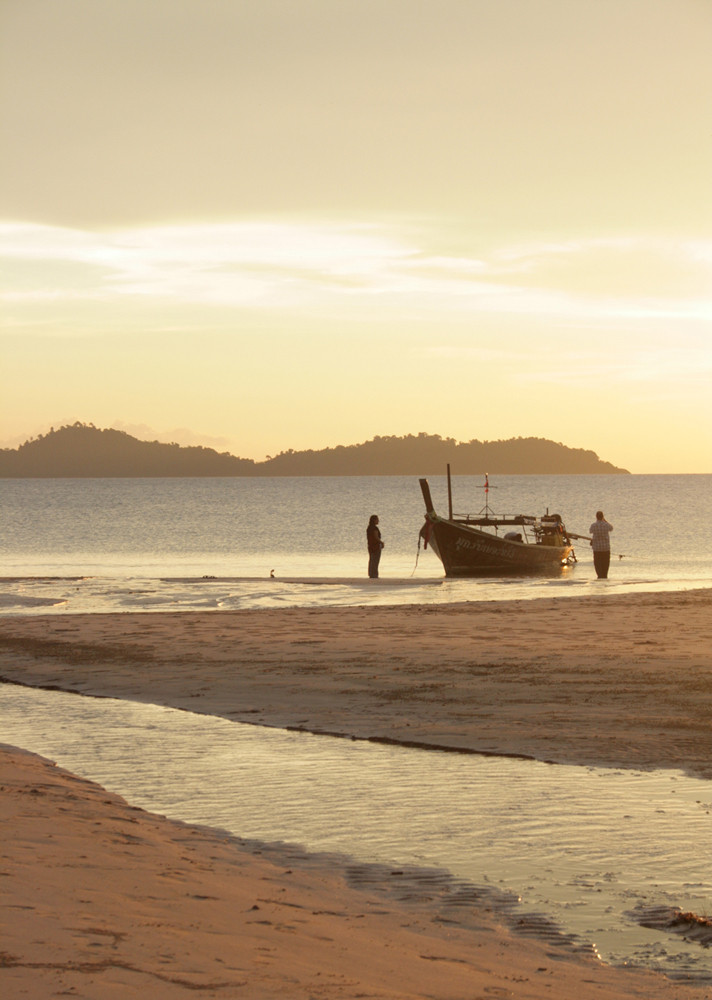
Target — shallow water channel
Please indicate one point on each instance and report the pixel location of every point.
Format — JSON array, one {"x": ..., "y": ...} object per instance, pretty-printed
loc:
[{"x": 592, "y": 848}]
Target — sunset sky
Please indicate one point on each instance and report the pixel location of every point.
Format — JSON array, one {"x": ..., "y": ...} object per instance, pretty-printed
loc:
[{"x": 270, "y": 224}]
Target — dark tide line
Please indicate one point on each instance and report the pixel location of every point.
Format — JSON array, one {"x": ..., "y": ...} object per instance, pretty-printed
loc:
[
  {"x": 333, "y": 734},
  {"x": 42, "y": 579},
  {"x": 339, "y": 581}
]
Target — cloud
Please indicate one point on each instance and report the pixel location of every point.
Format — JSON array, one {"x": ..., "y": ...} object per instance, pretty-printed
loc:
[
  {"x": 359, "y": 269},
  {"x": 614, "y": 267},
  {"x": 178, "y": 435},
  {"x": 634, "y": 367}
]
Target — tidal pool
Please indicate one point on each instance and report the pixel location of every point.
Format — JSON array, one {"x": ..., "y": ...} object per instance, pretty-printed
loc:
[{"x": 593, "y": 849}]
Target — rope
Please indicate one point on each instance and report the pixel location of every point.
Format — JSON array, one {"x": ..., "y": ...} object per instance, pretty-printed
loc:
[{"x": 417, "y": 557}]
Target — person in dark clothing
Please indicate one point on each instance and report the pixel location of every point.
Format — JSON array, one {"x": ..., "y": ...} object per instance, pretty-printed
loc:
[{"x": 375, "y": 546}]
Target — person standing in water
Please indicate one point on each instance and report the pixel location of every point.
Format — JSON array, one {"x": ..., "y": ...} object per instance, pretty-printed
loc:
[
  {"x": 601, "y": 545},
  {"x": 375, "y": 545}
]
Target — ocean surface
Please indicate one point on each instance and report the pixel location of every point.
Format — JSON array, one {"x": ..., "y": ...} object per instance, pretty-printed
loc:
[{"x": 75, "y": 545}]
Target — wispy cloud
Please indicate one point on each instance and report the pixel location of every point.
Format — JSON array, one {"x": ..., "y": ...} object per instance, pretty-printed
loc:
[
  {"x": 365, "y": 268},
  {"x": 628, "y": 368},
  {"x": 177, "y": 435}
]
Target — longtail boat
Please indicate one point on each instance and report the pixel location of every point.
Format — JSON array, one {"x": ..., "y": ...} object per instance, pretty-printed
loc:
[{"x": 474, "y": 546}]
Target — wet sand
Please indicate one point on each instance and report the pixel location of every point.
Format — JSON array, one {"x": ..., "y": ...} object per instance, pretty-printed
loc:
[
  {"x": 142, "y": 903},
  {"x": 614, "y": 681}
]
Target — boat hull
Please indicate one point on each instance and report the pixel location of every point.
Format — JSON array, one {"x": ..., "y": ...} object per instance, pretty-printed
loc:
[{"x": 468, "y": 551}]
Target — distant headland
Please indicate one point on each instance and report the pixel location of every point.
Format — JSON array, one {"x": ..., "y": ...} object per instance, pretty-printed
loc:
[{"x": 84, "y": 451}]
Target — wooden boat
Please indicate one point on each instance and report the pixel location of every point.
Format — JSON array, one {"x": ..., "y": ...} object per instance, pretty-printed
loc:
[{"x": 473, "y": 546}]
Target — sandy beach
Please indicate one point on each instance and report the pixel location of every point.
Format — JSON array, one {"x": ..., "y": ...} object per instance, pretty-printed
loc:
[{"x": 145, "y": 904}]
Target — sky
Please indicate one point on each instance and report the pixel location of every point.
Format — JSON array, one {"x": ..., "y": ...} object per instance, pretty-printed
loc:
[{"x": 259, "y": 225}]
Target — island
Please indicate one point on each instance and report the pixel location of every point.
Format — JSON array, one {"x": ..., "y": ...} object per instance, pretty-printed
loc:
[{"x": 84, "y": 451}]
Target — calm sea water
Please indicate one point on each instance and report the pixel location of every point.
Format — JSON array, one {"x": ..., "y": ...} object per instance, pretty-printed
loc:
[{"x": 148, "y": 544}]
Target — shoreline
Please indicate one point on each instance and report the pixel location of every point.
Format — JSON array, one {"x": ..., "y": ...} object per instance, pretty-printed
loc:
[
  {"x": 620, "y": 681},
  {"x": 108, "y": 900},
  {"x": 128, "y": 900},
  {"x": 108, "y": 594}
]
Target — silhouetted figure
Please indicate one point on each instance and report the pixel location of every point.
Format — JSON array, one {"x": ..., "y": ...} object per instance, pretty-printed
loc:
[
  {"x": 375, "y": 546},
  {"x": 601, "y": 544}
]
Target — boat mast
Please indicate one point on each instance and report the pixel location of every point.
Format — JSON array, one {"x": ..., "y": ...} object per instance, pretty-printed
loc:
[
  {"x": 486, "y": 509},
  {"x": 449, "y": 493}
]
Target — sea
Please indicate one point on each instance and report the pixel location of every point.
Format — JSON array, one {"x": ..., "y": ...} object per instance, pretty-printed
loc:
[
  {"x": 93, "y": 545},
  {"x": 588, "y": 858}
]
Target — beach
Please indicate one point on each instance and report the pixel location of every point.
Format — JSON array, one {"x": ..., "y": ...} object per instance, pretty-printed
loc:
[{"x": 144, "y": 903}]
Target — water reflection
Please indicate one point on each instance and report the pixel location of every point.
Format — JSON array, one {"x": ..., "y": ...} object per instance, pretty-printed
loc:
[{"x": 587, "y": 846}]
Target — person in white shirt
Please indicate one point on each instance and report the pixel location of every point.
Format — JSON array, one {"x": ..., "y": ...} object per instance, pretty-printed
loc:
[{"x": 601, "y": 544}]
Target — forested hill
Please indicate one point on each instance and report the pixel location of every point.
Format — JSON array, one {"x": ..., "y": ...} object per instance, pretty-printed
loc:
[{"x": 82, "y": 450}]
